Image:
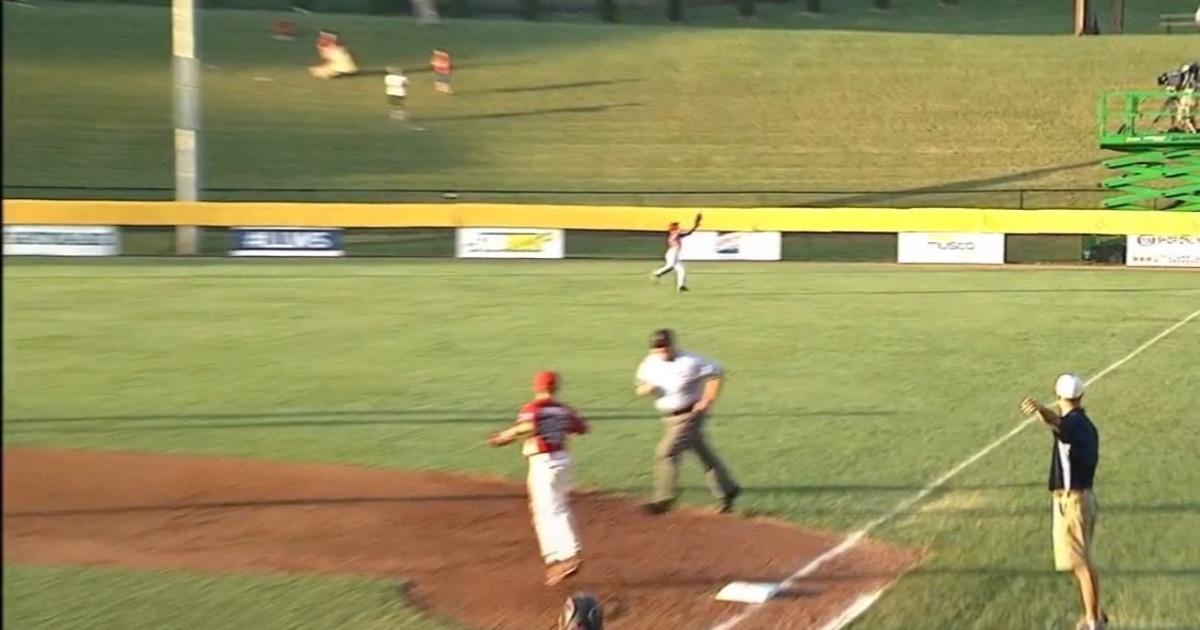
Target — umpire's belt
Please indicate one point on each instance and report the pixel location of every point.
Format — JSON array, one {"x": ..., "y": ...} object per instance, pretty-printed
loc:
[{"x": 680, "y": 411}]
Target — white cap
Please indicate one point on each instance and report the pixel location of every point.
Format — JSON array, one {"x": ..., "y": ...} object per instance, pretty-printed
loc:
[{"x": 1068, "y": 386}]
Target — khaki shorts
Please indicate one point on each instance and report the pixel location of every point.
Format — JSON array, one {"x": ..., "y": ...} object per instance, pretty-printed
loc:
[{"x": 1073, "y": 528}]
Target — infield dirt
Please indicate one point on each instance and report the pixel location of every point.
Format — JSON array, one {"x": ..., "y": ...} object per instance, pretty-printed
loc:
[{"x": 462, "y": 545}]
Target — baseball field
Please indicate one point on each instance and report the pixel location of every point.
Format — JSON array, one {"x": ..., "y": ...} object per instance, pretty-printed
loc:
[
  {"x": 851, "y": 389},
  {"x": 207, "y": 444}
]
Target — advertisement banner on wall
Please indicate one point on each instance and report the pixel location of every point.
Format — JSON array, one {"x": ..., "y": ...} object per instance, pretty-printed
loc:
[
  {"x": 510, "y": 243},
  {"x": 62, "y": 240},
  {"x": 959, "y": 248},
  {"x": 762, "y": 246},
  {"x": 1144, "y": 250},
  {"x": 286, "y": 242}
]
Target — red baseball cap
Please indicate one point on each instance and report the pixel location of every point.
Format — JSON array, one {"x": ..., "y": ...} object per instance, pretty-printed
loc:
[
  {"x": 545, "y": 381},
  {"x": 674, "y": 224}
]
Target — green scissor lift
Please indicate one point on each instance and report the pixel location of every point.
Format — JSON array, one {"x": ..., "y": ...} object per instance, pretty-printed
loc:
[{"x": 1161, "y": 168}]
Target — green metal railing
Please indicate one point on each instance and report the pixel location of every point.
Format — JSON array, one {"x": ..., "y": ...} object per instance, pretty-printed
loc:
[{"x": 1161, "y": 165}]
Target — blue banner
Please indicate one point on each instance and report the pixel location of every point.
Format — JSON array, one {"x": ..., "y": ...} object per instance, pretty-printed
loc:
[{"x": 285, "y": 242}]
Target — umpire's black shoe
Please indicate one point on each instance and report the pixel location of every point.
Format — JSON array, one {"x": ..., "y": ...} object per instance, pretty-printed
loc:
[
  {"x": 684, "y": 289},
  {"x": 726, "y": 505},
  {"x": 660, "y": 506}
]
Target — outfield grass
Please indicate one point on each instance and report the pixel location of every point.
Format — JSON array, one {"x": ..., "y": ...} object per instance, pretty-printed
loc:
[
  {"x": 850, "y": 388},
  {"x": 555, "y": 106}
]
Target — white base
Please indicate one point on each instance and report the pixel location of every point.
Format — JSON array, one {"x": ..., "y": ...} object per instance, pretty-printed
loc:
[{"x": 748, "y": 592}]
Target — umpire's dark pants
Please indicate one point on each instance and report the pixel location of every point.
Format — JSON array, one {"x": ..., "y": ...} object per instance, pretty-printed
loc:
[{"x": 684, "y": 433}]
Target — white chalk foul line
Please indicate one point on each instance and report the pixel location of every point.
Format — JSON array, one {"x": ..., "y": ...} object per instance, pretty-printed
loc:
[{"x": 860, "y": 605}]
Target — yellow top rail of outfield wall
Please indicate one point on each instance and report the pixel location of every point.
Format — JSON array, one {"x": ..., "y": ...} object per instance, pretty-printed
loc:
[{"x": 637, "y": 218}]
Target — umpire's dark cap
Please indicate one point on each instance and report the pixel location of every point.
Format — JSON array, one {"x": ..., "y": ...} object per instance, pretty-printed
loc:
[{"x": 662, "y": 338}]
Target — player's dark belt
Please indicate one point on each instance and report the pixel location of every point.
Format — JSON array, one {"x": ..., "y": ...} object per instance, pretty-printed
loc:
[{"x": 681, "y": 411}]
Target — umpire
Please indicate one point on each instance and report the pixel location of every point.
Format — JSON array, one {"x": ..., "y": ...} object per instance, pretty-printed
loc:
[
  {"x": 1073, "y": 459},
  {"x": 684, "y": 386}
]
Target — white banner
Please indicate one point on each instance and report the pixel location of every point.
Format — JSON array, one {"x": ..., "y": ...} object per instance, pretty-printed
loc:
[
  {"x": 960, "y": 248},
  {"x": 733, "y": 246},
  {"x": 1144, "y": 250},
  {"x": 61, "y": 240},
  {"x": 509, "y": 243}
]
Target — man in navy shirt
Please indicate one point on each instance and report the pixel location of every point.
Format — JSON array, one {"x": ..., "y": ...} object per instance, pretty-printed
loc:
[{"x": 1073, "y": 459}]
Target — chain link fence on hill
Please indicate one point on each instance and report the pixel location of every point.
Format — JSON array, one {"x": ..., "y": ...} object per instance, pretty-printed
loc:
[{"x": 1014, "y": 199}]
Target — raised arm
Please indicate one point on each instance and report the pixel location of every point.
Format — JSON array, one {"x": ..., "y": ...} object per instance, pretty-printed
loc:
[
  {"x": 524, "y": 427},
  {"x": 1032, "y": 407}
]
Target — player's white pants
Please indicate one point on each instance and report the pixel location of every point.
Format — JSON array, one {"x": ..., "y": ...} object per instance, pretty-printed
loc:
[
  {"x": 673, "y": 264},
  {"x": 549, "y": 502}
]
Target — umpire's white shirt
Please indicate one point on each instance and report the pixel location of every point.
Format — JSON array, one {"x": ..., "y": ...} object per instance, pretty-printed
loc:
[
  {"x": 680, "y": 382},
  {"x": 396, "y": 85}
]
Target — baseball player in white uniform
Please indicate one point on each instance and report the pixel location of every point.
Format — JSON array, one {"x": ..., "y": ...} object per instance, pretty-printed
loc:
[
  {"x": 545, "y": 425},
  {"x": 336, "y": 60},
  {"x": 396, "y": 87},
  {"x": 675, "y": 236},
  {"x": 684, "y": 387}
]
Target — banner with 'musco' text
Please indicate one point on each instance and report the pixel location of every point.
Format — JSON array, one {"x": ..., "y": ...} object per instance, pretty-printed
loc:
[{"x": 958, "y": 248}]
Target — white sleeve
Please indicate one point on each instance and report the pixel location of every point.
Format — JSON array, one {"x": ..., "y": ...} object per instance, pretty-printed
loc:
[
  {"x": 643, "y": 372},
  {"x": 708, "y": 369}
]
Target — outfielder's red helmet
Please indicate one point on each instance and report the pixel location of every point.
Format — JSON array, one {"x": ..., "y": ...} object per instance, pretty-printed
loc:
[{"x": 545, "y": 381}]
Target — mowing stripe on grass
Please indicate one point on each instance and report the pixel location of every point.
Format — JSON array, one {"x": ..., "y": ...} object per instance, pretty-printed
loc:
[{"x": 861, "y": 604}]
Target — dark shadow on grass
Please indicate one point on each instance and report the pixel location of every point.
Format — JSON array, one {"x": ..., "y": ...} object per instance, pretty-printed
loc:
[
  {"x": 963, "y": 186},
  {"x": 424, "y": 68},
  {"x": 362, "y": 74},
  {"x": 421, "y": 70},
  {"x": 350, "y": 419},
  {"x": 259, "y": 504},
  {"x": 591, "y": 109},
  {"x": 557, "y": 86}
]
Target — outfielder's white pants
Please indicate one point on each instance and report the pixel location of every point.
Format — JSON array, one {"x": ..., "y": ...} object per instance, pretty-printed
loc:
[
  {"x": 549, "y": 502},
  {"x": 673, "y": 264}
]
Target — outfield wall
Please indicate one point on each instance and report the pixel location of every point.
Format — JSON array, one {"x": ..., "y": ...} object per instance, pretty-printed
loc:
[
  {"x": 957, "y": 236},
  {"x": 631, "y": 218}
]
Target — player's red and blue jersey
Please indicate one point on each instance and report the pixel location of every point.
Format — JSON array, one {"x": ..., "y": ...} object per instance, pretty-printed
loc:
[{"x": 552, "y": 423}]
